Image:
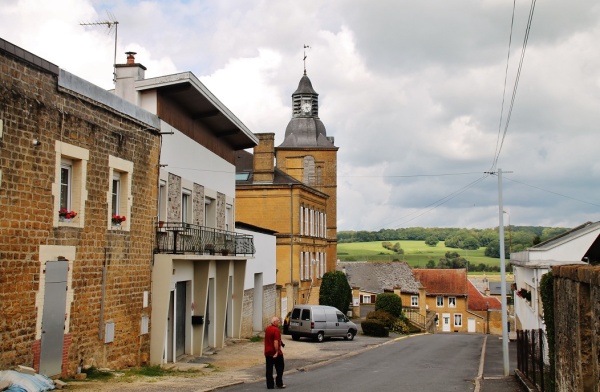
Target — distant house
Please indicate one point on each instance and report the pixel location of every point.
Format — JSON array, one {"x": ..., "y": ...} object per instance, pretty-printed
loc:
[
  {"x": 484, "y": 312},
  {"x": 446, "y": 294},
  {"x": 374, "y": 278},
  {"x": 580, "y": 245}
]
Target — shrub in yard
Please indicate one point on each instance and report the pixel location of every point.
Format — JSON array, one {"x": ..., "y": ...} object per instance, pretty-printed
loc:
[
  {"x": 374, "y": 328},
  {"x": 400, "y": 327},
  {"x": 335, "y": 291},
  {"x": 384, "y": 317},
  {"x": 389, "y": 302}
]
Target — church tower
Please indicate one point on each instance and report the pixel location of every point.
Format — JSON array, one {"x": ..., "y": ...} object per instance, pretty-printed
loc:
[{"x": 310, "y": 156}]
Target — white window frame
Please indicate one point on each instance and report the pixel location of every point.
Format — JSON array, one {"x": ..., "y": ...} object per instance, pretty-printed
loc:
[
  {"x": 162, "y": 201},
  {"x": 459, "y": 316},
  {"x": 301, "y": 220},
  {"x": 301, "y": 270},
  {"x": 115, "y": 188},
  {"x": 186, "y": 205},
  {"x": 414, "y": 301},
  {"x": 437, "y": 301},
  {"x": 125, "y": 170},
  {"x": 66, "y": 165},
  {"x": 77, "y": 158},
  {"x": 452, "y": 302},
  {"x": 363, "y": 297}
]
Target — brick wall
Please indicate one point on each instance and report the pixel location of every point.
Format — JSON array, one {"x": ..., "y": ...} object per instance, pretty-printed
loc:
[
  {"x": 33, "y": 107},
  {"x": 577, "y": 323}
]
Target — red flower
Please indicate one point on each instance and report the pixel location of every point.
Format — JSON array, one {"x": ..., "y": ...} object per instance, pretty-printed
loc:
[
  {"x": 64, "y": 213},
  {"x": 117, "y": 219}
]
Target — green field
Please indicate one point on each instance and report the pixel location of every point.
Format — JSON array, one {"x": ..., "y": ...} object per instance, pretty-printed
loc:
[{"x": 416, "y": 253}]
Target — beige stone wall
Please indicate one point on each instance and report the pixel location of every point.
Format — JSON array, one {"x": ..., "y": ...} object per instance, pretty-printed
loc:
[
  {"x": 461, "y": 308},
  {"x": 268, "y": 310},
  {"x": 32, "y": 107},
  {"x": 577, "y": 323}
]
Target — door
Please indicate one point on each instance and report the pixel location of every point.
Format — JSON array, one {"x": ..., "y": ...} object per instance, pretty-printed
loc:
[
  {"x": 445, "y": 322},
  {"x": 53, "y": 318},
  {"x": 471, "y": 325},
  {"x": 180, "y": 301}
]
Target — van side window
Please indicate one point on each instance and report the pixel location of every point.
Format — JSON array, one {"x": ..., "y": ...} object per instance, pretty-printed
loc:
[
  {"x": 341, "y": 318},
  {"x": 306, "y": 314}
]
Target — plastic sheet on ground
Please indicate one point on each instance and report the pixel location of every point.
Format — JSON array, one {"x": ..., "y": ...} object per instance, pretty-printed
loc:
[{"x": 21, "y": 382}]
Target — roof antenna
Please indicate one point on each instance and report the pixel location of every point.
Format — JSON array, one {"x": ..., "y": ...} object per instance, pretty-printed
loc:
[
  {"x": 304, "y": 59},
  {"x": 112, "y": 22}
]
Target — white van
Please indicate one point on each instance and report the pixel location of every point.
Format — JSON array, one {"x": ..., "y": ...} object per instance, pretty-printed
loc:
[{"x": 320, "y": 322}]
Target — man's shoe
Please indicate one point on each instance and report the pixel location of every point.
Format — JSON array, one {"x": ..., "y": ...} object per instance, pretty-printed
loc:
[{"x": 282, "y": 386}]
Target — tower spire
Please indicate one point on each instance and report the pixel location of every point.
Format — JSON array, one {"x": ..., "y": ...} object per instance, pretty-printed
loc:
[{"x": 304, "y": 59}]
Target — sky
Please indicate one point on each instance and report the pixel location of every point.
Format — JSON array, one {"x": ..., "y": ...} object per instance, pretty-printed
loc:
[{"x": 419, "y": 95}]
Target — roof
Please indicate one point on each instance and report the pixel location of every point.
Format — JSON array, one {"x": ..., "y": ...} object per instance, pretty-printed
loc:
[
  {"x": 244, "y": 163},
  {"x": 496, "y": 288},
  {"x": 305, "y": 86},
  {"x": 377, "y": 277},
  {"x": 302, "y": 132},
  {"x": 32, "y": 59},
  {"x": 186, "y": 90},
  {"x": 443, "y": 281},
  {"x": 480, "y": 302}
]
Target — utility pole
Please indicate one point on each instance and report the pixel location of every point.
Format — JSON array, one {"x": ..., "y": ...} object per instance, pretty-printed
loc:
[{"x": 503, "y": 278}]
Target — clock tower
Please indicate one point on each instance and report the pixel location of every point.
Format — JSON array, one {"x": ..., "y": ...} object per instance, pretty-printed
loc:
[{"x": 310, "y": 156}]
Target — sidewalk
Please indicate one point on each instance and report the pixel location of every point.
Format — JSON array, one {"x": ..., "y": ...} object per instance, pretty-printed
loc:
[{"x": 492, "y": 378}]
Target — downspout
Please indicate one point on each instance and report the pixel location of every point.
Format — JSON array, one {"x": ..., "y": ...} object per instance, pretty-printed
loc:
[
  {"x": 101, "y": 323},
  {"x": 291, "y": 237}
]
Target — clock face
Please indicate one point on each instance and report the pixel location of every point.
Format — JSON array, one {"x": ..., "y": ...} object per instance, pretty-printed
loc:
[{"x": 306, "y": 106}]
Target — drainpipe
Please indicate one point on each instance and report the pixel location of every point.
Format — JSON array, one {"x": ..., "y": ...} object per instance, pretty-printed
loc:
[
  {"x": 101, "y": 326},
  {"x": 291, "y": 237}
]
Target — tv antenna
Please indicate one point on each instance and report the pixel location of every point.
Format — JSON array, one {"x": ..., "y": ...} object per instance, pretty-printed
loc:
[{"x": 110, "y": 24}]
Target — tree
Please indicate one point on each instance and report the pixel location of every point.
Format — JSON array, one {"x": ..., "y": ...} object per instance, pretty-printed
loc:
[
  {"x": 493, "y": 249},
  {"x": 430, "y": 264},
  {"x": 335, "y": 291},
  {"x": 431, "y": 241},
  {"x": 389, "y": 302}
]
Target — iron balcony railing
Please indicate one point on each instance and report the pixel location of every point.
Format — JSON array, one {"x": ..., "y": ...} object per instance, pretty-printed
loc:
[{"x": 185, "y": 238}]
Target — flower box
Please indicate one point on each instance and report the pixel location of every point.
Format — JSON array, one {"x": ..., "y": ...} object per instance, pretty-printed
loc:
[
  {"x": 65, "y": 215},
  {"x": 118, "y": 219}
]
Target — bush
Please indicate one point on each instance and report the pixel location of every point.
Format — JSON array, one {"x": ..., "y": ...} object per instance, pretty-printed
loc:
[
  {"x": 374, "y": 328},
  {"x": 389, "y": 302},
  {"x": 399, "y": 326},
  {"x": 381, "y": 315}
]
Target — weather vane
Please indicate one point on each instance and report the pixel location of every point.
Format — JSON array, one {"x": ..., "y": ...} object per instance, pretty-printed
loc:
[
  {"x": 112, "y": 22},
  {"x": 304, "y": 59}
]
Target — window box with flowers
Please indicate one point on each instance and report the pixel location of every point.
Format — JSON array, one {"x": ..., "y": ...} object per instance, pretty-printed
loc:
[
  {"x": 117, "y": 220},
  {"x": 65, "y": 215},
  {"x": 525, "y": 294}
]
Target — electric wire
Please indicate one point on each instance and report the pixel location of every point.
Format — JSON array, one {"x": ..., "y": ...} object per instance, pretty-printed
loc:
[
  {"x": 517, "y": 78},
  {"x": 552, "y": 192}
]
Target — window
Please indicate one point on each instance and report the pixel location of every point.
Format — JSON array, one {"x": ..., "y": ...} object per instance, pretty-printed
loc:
[
  {"x": 116, "y": 193},
  {"x": 186, "y": 206},
  {"x": 457, "y": 320},
  {"x": 228, "y": 216},
  {"x": 366, "y": 299},
  {"x": 439, "y": 301},
  {"x": 414, "y": 300},
  {"x": 162, "y": 201},
  {"x": 305, "y": 314},
  {"x": 70, "y": 176},
  {"x": 437, "y": 319},
  {"x": 119, "y": 195},
  {"x": 66, "y": 183},
  {"x": 210, "y": 212},
  {"x": 452, "y": 302}
]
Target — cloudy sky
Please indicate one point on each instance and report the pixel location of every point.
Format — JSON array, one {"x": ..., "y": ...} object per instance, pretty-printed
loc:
[{"x": 412, "y": 91}]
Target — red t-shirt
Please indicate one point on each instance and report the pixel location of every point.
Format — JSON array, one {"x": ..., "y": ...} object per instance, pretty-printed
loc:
[{"x": 272, "y": 335}]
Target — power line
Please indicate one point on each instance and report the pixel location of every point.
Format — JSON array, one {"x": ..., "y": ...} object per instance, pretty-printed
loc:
[
  {"x": 517, "y": 78},
  {"x": 411, "y": 175},
  {"x": 554, "y": 193}
]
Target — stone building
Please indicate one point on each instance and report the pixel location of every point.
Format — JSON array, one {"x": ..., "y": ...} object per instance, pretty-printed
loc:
[
  {"x": 292, "y": 190},
  {"x": 74, "y": 286}
]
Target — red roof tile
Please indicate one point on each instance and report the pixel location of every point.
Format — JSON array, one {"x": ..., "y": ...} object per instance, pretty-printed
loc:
[
  {"x": 443, "y": 281},
  {"x": 480, "y": 302}
]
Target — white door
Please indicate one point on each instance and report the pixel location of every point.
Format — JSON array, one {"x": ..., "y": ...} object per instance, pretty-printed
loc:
[
  {"x": 445, "y": 322},
  {"x": 471, "y": 325}
]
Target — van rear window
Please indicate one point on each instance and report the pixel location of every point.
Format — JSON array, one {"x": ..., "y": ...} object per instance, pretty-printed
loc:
[
  {"x": 306, "y": 314},
  {"x": 296, "y": 314}
]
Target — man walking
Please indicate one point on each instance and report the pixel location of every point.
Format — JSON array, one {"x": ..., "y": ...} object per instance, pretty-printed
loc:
[{"x": 274, "y": 355}]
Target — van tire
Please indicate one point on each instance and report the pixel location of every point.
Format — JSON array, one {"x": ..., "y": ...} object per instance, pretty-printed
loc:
[
  {"x": 320, "y": 337},
  {"x": 349, "y": 335},
  {"x": 295, "y": 337}
]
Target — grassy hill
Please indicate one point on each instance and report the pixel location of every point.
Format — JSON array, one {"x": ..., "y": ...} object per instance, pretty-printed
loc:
[{"x": 416, "y": 253}]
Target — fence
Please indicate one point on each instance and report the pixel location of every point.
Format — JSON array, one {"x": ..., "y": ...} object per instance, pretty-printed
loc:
[{"x": 530, "y": 358}]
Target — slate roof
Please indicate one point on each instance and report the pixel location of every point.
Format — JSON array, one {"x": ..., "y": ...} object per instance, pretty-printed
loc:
[
  {"x": 480, "y": 302},
  {"x": 377, "y": 277},
  {"x": 244, "y": 163},
  {"x": 443, "y": 281}
]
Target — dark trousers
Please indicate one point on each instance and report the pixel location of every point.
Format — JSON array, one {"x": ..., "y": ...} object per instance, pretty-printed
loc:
[{"x": 279, "y": 366}]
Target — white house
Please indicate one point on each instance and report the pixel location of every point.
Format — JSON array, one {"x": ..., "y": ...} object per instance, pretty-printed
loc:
[
  {"x": 580, "y": 245},
  {"x": 199, "y": 265}
]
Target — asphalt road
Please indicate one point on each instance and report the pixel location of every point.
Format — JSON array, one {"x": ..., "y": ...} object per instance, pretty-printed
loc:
[{"x": 442, "y": 362}]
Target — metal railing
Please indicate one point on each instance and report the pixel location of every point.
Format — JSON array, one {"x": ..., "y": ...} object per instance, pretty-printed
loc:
[
  {"x": 530, "y": 358},
  {"x": 185, "y": 238},
  {"x": 416, "y": 318}
]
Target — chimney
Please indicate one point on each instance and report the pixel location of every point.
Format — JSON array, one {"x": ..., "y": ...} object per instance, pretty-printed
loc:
[
  {"x": 264, "y": 158},
  {"x": 125, "y": 77}
]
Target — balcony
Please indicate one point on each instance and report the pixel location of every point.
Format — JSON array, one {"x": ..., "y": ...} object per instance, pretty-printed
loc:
[{"x": 185, "y": 238}]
